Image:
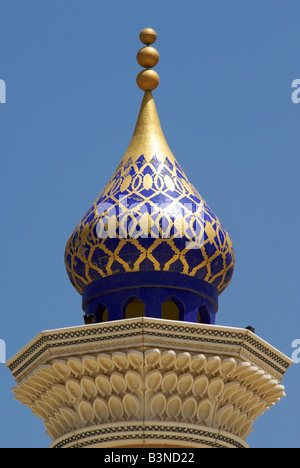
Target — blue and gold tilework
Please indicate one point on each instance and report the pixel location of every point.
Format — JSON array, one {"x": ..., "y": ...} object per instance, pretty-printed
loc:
[{"x": 149, "y": 218}]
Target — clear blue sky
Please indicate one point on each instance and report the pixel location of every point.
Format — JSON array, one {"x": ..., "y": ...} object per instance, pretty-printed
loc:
[{"x": 225, "y": 106}]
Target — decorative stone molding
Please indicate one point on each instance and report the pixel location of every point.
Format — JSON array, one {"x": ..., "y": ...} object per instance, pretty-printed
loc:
[
  {"x": 89, "y": 394},
  {"x": 149, "y": 436},
  {"x": 148, "y": 332}
]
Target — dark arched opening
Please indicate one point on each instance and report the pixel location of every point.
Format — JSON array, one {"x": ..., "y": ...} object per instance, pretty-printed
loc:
[
  {"x": 172, "y": 309},
  {"x": 134, "y": 309},
  {"x": 101, "y": 314}
]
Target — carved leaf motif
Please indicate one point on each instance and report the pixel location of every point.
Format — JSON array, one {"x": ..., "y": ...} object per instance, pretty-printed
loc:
[
  {"x": 189, "y": 408},
  {"x": 133, "y": 380},
  {"x": 158, "y": 404},
  {"x": 103, "y": 385},
  {"x": 101, "y": 409},
  {"x": 74, "y": 389},
  {"x": 132, "y": 405},
  {"x": 116, "y": 409},
  {"x": 89, "y": 388},
  {"x": 174, "y": 406},
  {"x": 153, "y": 380},
  {"x": 204, "y": 410},
  {"x": 86, "y": 411},
  {"x": 200, "y": 385},
  {"x": 169, "y": 382}
]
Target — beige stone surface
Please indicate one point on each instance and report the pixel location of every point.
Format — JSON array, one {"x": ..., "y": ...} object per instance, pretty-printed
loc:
[{"x": 150, "y": 382}]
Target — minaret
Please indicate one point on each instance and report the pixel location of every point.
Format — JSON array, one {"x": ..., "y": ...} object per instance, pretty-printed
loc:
[{"x": 150, "y": 367}]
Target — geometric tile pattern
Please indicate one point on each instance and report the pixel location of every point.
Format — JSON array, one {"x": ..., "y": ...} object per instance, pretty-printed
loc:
[
  {"x": 156, "y": 221},
  {"x": 149, "y": 218}
]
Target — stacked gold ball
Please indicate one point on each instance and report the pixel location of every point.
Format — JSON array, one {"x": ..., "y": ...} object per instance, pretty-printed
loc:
[{"x": 148, "y": 57}]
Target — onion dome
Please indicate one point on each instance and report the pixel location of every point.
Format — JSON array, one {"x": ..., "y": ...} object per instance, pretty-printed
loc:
[{"x": 149, "y": 237}]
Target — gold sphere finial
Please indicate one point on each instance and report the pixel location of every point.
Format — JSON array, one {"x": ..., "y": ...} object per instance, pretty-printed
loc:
[
  {"x": 148, "y": 36},
  {"x": 147, "y": 80},
  {"x": 148, "y": 57}
]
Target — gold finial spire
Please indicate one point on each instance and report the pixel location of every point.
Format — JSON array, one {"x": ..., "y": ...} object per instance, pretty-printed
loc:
[{"x": 148, "y": 57}]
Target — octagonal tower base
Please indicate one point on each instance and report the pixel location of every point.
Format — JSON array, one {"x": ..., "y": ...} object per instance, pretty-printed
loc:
[{"x": 149, "y": 383}]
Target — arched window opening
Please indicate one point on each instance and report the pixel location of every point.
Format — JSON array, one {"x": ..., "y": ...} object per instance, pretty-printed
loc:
[
  {"x": 135, "y": 309},
  {"x": 101, "y": 314},
  {"x": 199, "y": 317},
  {"x": 105, "y": 316},
  {"x": 170, "y": 310}
]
